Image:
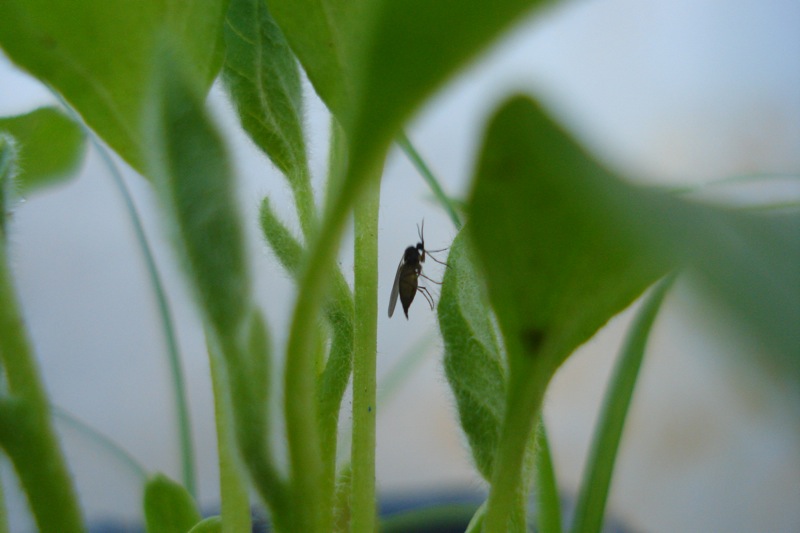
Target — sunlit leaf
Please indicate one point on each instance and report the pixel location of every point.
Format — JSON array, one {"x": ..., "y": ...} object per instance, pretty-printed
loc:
[
  {"x": 168, "y": 507},
  {"x": 51, "y": 147},
  {"x": 99, "y": 54}
]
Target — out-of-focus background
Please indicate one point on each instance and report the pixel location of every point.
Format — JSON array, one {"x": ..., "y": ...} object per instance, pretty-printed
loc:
[{"x": 664, "y": 92}]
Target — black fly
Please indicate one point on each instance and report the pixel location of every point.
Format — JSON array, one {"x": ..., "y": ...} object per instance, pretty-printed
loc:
[{"x": 408, "y": 272}]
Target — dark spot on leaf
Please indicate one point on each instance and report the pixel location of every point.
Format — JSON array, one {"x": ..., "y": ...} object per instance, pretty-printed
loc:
[{"x": 532, "y": 339}]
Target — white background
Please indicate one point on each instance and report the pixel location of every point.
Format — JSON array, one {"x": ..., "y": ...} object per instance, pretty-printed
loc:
[{"x": 663, "y": 92}]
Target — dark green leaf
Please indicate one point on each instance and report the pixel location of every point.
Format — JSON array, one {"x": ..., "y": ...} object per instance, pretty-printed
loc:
[
  {"x": 99, "y": 54},
  {"x": 263, "y": 79},
  {"x": 168, "y": 507},
  {"x": 51, "y": 146},
  {"x": 472, "y": 361}
]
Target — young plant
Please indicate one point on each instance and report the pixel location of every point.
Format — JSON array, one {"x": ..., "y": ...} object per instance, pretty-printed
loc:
[{"x": 554, "y": 245}]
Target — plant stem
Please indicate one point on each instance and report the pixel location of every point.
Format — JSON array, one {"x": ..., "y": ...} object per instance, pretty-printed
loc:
[
  {"x": 365, "y": 345},
  {"x": 235, "y": 504},
  {"x": 26, "y": 430},
  {"x": 548, "y": 506},
  {"x": 600, "y": 467},
  {"x": 525, "y": 392}
]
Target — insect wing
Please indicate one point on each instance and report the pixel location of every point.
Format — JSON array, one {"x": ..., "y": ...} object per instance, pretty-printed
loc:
[{"x": 396, "y": 287}]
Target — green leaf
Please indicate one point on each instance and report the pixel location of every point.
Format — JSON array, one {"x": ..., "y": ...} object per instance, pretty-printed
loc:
[
  {"x": 473, "y": 362},
  {"x": 575, "y": 244},
  {"x": 189, "y": 165},
  {"x": 411, "y": 48},
  {"x": 566, "y": 245},
  {"x": 212, "y": 524},
  {"x": 262, "y": 76},
  {"x": 99, "y": 55},
  {"x": 168, "y": 507},
  {"x": 319, "y": 35},
  {"x": 51, "y": 146}
]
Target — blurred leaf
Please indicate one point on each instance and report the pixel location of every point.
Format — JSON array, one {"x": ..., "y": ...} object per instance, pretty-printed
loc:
[
  {"x": 99, "y": 54},
  {"x": 263, "y": 79},
  {"x": 472, "y": 361},
  {"x": 564, "y": 245},
  {"x": 575, "y": 244},
  {"x": 212, "y": 524},
  {"x": 51, "y": 147},
  {"x": 409, "y": 49},
  {"x": 319, "y": 35},
  {"x": 189, "y": 165},
  {"x": 168, "y": 507}
]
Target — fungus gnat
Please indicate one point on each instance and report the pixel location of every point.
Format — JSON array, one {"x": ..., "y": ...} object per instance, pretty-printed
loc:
[{"x": 408, "y": 272}]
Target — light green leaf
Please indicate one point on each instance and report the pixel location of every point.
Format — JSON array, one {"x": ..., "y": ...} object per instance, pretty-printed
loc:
[
  {"x": 99, "y": 54},
  {"x": 51, "y": 147},
  {"x": 264, "y": 81},
  {"x": 168, "y": 507},
  {"x": 473, "y": 361},
  {"x": 189, "y": 165}
]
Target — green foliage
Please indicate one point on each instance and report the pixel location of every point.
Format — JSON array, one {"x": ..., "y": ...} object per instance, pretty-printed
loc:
[
  {"x": 188, "y": 164},
  {"x": 473, "y": 360},
  {"x": 264, "y": 82},
  {"x": 554, "y": 247},
  {"x": 168, "y": 507},
  {"x": 99, "y": 54},
  {"x": 51, "y": 147}
]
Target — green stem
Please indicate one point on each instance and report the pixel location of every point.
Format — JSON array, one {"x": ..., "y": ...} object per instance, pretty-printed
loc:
[
  {"x": 525, "y": 392},
  {"x": 433, "y": 183},
  {"x": 26, "y": 430},
  {"x": 608, "y": 433},
  {"x": 3, "y": 511},
  {"x": 476, "y": 523},
  {"x": 548, "y": 505},
  {"x": 364, "y": 360},
  {"x": 300, "y": 407},
  {"x": 235, "y": 504}
]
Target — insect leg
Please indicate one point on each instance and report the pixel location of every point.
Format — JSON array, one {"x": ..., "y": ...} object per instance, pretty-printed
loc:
[
  {"x": 429, "y": 279},
  {"x": 427, "y": 295}
]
